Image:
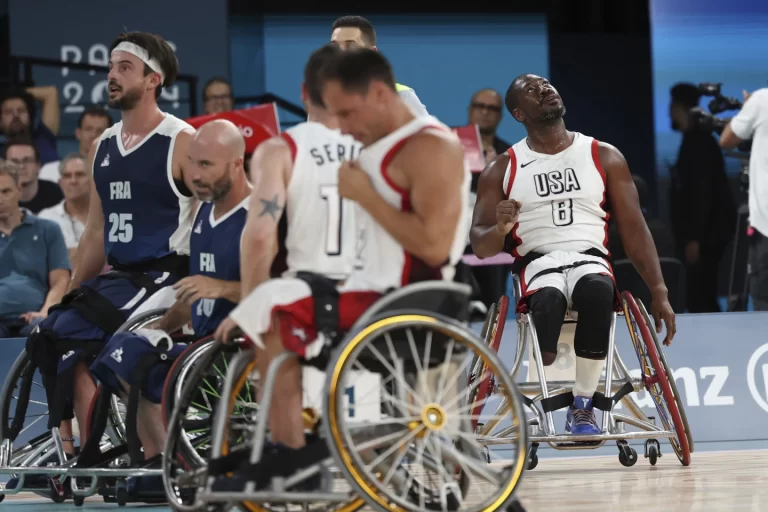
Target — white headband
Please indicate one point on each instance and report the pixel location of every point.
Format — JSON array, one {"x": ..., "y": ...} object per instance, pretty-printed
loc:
[{"x": 142, "y": 55}]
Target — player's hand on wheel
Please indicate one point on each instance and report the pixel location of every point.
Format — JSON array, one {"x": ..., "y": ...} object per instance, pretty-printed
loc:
[
  {"x": 225, "y": 331},
  {"x": 354, "y": 183},
  {"x": 192, "y": 288},
  {"x": 506, "y": 215},
  {"x": 662, "y": 312}
]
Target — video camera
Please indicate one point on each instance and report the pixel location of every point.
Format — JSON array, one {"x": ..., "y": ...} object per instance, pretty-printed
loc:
[{"x": 701, "y": 119}]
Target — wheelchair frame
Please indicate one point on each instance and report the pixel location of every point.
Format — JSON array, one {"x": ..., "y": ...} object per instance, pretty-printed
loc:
[
  {"x": 243, "y": 363},
  {"x": 21, "y": 464},
  {"x": 617, "y": 385}
]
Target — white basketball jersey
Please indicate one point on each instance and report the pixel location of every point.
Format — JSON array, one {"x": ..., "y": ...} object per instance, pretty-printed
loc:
[
  {"x": 563, "y": 198},
  {"x": 386, "y": 265},
  {"x": 322, "y": 232}
]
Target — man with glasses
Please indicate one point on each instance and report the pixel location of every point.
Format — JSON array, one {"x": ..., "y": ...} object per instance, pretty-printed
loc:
[
  {"x": 217, "y": 96},
  {"x": 485, "y": 110},
  {"x": 36, "y": 194}
]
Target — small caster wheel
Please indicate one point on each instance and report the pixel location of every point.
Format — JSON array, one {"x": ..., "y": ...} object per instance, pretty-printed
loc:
[
  {"x": 627, "y": 455},
  {"x": 533, "y": 458},
  {"x": 652, "y": 451},
  {"x": 121, "y": 492},
  {"x": 79, "y": 500},
  {"x": 56, "y": 491}
]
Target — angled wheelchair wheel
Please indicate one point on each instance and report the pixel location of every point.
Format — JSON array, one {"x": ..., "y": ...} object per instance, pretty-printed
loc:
[
  {"x": 493, "y": 329},
  {"x": 664, "y": 363},
  {"x": 656, "y": 377},
  {"x": 398, "y": 417},
  {"x": 142, "y": 320}
]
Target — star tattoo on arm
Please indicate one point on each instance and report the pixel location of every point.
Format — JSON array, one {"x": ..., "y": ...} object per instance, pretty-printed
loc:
[{"x": 271, "y": 207}]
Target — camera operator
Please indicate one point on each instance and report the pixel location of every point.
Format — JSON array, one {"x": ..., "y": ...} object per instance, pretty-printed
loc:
[
  {"x": 702, "y": 210},
  {"x": 751, "y": 122}
]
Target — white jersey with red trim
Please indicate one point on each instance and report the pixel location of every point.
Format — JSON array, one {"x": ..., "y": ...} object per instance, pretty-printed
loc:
[
  {"x": 386, "y": 265},
  {"x": 321, "y": 227},
  {"x": 563, "y": 198}
]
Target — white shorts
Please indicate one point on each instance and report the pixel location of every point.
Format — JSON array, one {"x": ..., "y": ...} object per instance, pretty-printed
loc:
[{"x": 535, "y": 277}]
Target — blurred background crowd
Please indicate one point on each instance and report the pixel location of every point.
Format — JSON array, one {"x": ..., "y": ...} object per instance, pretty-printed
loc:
[{"x": 643, "y": 76}]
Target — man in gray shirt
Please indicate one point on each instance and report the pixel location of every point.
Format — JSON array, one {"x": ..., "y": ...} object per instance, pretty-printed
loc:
[{"x": 357, "y": 32}]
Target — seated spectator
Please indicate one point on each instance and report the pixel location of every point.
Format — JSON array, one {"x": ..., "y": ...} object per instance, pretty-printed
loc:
[
  {"x": 36, "y": 195},
  {"x": 660, "y": 232},
  {"x": 17, "y": 113},
  {"x": 217, "y": 96},
  {"x": 92, "y": 123},
  {"x": 485, "y": 109},
  {"x": 72, "y": 213},
  {"x": 34, "y": 268}
]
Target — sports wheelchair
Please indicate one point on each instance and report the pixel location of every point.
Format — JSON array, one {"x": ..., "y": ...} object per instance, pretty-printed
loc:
[
  {"x": 617, "y": 385},
  {"x": 390, "y": 414},
  {"x": 110, "y": 450}
]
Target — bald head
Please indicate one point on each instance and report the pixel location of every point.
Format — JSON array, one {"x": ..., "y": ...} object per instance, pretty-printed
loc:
[
  {"x": 216, "y": 154},
  {"x": 221, "y": 135}
]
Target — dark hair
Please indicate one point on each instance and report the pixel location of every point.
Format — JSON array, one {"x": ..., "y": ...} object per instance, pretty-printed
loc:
[
  {"x": 157, "y": 48},
  {"x": 216, "y": 80},
  {"x": 21, "y": 94},
  {"x": 22, "y": 141},
  {"x": 510, "y": 98},
  {"x": 313, "y": 72},
  {"x": 685, "y": 94},
  {"x": 95, "y": 112},
  {"x": 365, "y": 26},
  {"x": 355, "y": 69}
]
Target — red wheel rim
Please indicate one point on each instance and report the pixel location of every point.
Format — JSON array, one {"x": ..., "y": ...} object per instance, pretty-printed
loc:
[
  {"x": 655, "y": 378},
  {"x": 486, "y": 385}
]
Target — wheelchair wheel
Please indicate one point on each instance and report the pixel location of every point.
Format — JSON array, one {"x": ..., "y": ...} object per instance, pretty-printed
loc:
[
  {"x": 664, "y": 363},
  {"x": 403, "y": 435},
  {"x": 492, "y": 331},
  {"x": 197, "y": 382},
  {"x": 656, "y": 378},
  {"x": 142, "y": 320}
]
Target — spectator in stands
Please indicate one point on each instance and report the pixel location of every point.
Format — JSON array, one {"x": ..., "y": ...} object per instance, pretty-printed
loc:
[
  {"x": 485, "y": 110},
  {"x": 72, "y": 213},
  {"x": 217, "y": 96},
  {"x": 702, "y": 208},
  {"x": 660, "y": 232},
  {"x": 36, "y": 195},
  {"x": 92, "y": 123},
  {"x": 17, "y": 115},
  {"x": 34, "y": 268}
]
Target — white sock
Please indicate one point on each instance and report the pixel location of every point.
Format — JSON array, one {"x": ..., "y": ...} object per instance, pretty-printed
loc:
[{"x": 587, "y": 376}]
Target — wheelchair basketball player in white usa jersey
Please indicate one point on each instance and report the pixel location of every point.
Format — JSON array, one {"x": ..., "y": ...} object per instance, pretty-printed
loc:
[{"x": 546, "y": 202}]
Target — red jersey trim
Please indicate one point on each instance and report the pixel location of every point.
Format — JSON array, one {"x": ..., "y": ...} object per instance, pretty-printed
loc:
[
  {"x": 599, "y": 166},
  {"x": 512, "y": 171}
]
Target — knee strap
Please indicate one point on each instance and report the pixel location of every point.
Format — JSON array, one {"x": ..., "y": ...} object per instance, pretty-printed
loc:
[
  {"x": 593, "y": 297},
  {"x": 548, "y": 307},
  {"x": 325, "y": 297}
]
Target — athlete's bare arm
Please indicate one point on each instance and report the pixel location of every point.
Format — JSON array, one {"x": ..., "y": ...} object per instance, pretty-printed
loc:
[
  {"x": 431, "y": 168},
  {"x": 271, "y": 167},
  {"x": 494, "y": 216},
  {"x": 635, "y": 235},
  {"x": 90, "y": 255},
  {"x": 180, "y": 158}
]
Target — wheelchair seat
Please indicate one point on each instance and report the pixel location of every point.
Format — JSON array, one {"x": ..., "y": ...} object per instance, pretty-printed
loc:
[{"x": 445, "y": 298}]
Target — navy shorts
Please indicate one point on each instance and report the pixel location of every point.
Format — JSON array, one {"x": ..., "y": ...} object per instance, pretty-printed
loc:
[
  {"x": 68, "y": 324},
  {"x": 121, "y": 356}
]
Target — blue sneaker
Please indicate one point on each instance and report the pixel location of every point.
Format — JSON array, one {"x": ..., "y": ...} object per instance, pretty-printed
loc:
[{"x": 581, "y": 417}]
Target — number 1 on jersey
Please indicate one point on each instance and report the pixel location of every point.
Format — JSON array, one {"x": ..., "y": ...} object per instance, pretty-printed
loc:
[{"x": 330, "y": 194}]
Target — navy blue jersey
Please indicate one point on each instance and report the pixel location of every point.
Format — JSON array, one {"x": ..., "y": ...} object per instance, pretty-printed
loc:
[
  {"x": 146, "y": 217},
  {"x": 215, "y": 252}
]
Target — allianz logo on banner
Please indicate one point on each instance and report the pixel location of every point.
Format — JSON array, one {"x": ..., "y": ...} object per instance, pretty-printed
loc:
[{"x": 708, "y": 386}]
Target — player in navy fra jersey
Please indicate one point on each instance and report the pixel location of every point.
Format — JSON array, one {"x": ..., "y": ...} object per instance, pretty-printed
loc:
[
  {"x": 210, "y": 292},
  {"x": 139, "y": 223},
  {"x": 546, "y": 200}
]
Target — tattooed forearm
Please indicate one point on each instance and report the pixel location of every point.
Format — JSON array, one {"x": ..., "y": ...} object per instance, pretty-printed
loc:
[{"x": 271, "y": 207}]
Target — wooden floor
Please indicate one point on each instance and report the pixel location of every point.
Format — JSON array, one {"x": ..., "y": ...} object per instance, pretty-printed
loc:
[{"x": 732, "y": 481}]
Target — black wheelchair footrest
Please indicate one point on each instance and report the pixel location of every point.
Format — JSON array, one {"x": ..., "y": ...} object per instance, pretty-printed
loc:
[{"x": 578, "y": 444}]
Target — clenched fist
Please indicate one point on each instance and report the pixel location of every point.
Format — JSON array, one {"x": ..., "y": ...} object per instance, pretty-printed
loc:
[
  {"x": 506, "y": 215},
  {"x": 354, "y": 183}
]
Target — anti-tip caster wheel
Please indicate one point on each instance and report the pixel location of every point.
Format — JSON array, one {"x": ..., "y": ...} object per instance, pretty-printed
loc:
[
  {"x": 652, "y": 451},
  {"x": 56, "y": 490},
  {"x": 627, "y": 454},
  {"x": 79, "y": 501},
  {"x": 121, "y": 492},
  {"x": 533, "y": 458}
]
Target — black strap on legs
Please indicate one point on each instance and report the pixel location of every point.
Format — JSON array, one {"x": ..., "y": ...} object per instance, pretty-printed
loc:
[
  {"x": 557, "y": 402},
  {"x": 561, "y": 269},
  {"x": 90, "y": 452},
  {"x": 325, "y": 297},
  {"x": 131, "y": 420},
  {"x": 94, "y": 307},
  {"x": 139, "y": 280},
  {"x": 600, "y": 401}
]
